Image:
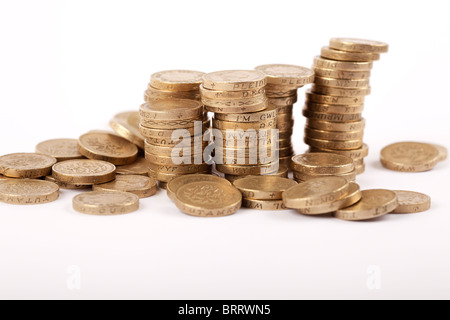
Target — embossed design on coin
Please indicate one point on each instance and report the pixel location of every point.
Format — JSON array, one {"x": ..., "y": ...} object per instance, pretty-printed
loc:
[
  {"x": 141, "y": 186},
  {"x": 61, "y": 149},
  {"x": 410, "y": 157},
  {"x": 175, "y": 184},
  {"x": 28, "y": 192},
  {"x": 412, "y": 202},
  {"x": 86, "y": 172},
  {"x": 106, "y": 203},
  {"x": 26, "y": 165}
]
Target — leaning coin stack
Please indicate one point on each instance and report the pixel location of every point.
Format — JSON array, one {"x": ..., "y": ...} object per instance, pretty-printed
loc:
[
  {"x": 335, "y": 103},
  {"x": 174, "y": 84},
  {"x": 174, "y": 142},
  {"x": 283, "y": 81},
  {"x": 243, "y": 124}
]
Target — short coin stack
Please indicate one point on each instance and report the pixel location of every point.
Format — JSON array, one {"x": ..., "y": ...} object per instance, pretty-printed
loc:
[
  {"x": 283, "y": 81},
  {"x": 243, "y": 122},
  {"x": 263, "y": 192},
  {"x": 174, "y": 137},
  {"x": 335, "y": 103},
  {"x": 315, "y": 165}
]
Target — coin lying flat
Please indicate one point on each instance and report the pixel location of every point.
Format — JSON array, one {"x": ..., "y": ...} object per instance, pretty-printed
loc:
[
  {"x": 342, "y": 65},
  {"x": 322, "y": 163},
  {"x": 263, "y": 187},
  {"x": 143, "y": 187},
  {"x": 287, "y": 75},
  {"x": 126, "y": 125},
  {"x": 374, "y": 203},
  {"x": 60, "y": 149},
  {"x": 174, "y": 109},
  {"x": 410, "y": 157},
  {"x": 358, "y": 45},
  {"x": 177, "y": 80},
  {"x": 26, "y": 165},
  {"x": 68, "y": 186},
  {"x": 316, "y": 192},
  {"x": 106, "y": 203},
  {"x": 107, "y": 147},
  {"x": 84, "y": 172},
  {"x": 175, "y": 184},
  {"x": 412, "y": 202},
  {"x": 340, "y": 55},
  {"x": 234, "y": 80},
  {"x": 28, "y": 192},
  {"x": 139, "y": 167},
  {"x": 265, "y": 205},
  {"x": 208, "y": 199}
]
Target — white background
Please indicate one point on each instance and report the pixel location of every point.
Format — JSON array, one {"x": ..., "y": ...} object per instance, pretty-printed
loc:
[{"x": 67, "y": 67}]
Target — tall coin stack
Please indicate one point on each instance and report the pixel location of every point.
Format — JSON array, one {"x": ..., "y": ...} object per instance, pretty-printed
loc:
[
  {"x": 335, "y": 103},
  {"x": 173, "y": 103},
  {"x": 283, "y": 81},
  {"x": 239, "y": 103}
]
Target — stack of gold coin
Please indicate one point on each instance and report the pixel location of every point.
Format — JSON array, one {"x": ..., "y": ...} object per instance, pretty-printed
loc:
[
  {"x": 335, "y": 103},
  {"x": 283, "y": 81},
  {"x": 174, "y": 84},
  {"x": 174, "y": 131},
  {"x": 315, "y": 165},
  {"x": 243, "y": 125}
]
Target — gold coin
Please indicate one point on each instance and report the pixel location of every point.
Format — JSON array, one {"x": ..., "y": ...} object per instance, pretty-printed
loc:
[
  {"x": 175, "y": 184},
  {"x": 286, "y": 126},
  {"x": 354, "y": 154},
  {"x": 179, "y": 150},
  {"x": 285, "y": 152},
  {"x": 341, "y": 92},
  {"x": 248, "y": 170},
  {"x": 208, "y": 199},
  {"x": 141, "y": 186},
  {"x": 26, "y": 165},
  {"x": 333, "y": 135},
  {"x": 442, "y": 152},
  {"x": 232, "y": 95},
  {"x": 334, "y": 144},
  {"x": 284, "y": 101},
  {"x": 339, "y": 55},
  {"x": 106, "y": 203},
  {"x": 353, "y": 196},
  {"x": 336, "y": 126},
  {"x": 164, "y": 160},
  {"x": 168, "y": 110},
  {"x": 107, "y": 147},
  {"x": 360, "y": 169},
  {"x": 227, "y": 125},
  {"x": 180, "y": 169},
  {"x": 234, "y": 80},
  {"x": 328, "y": 99},
  {"x": 302, "y": 177},
  {"x": 332, "y": 117},
  {"x": 340, "y": 83},
  {"x": 60, "y": 149},
  {"x": 167, "y": 177},
  {"x": 234, "y": 103},
  {"x": 341, "y": 65},
  {"x": 273, "y": 92},
  {"x": 153, "y": 94},
  {"x": 238, "y": 109},
  {"x": 162, "y": 185},
  {"x": 341, "y": 74},
  {"x": 316, "y": 192},
  {"x": 412, "y": 202},
  {"x": 261, "y": 116},
  {"x": 263, "y": 187},
  {"x": 68, "y": 186},
  {"x": 285, "y": 110},
  {"x": 171, "y": 124},
  {"x": 287, "y": 75},
  {"x": 410, "y": 157},
  {"x": 28, "y": 191},
  {"x": 337, "y": 109},
  {"x": 84, "y": 172},
  {"x": 285, "y": 117},
  {"x": 374, "y": 203},
  {"x": 126, "y": 125},
  {"x": 172, "y": 143},
  {"x": 282, "y": 172},
  {"x": 230, "y": 160},
  {"x": 196, "y": 130},
  {"x": 359, "y": 45},
  {"x": 265, "y": 205},
  {"x": 139, "y": 167},
  {"x": 177, "y": 80},
  {"x": 322, "y": 163}
]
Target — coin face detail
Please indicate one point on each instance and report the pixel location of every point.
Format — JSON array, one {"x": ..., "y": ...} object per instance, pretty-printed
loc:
[
  {"x": 106, "y": 203},
  {"x": 412, "y": 202},
  {"x": 107, "y": 147},
  {"x": 126, "y": 125},
  {"x": 410, "y": 157},
  {"x": 263, "y": 187},
  {"x": 26, "y": 165},
  {"x": 175, "y": 184},
  {"x": 141, "y": 186},
  {"x": 322, "y": 163},
  {"x": 359, "y": 45},
  {"x": 87, "y": 172},
  {"x": 28, "y": 192},
  {"x": 177, "y": 80},
  {"x": 60, "y": 149},
  {"x": 287, "y": 75},
  {"x": 234, "y": 80},
  {"x": 374, "y": 203},
  {"x": 208, "y": 199}
]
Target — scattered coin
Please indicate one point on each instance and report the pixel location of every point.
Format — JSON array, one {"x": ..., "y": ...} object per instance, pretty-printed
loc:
[
  {"x": 412, "y": 202},
  {"x": 175, "y": 184},
  {"x": 68, "y": 186},
  {"x": 26, "y": 165},
  {"x": 126, "y": 125},
  {"x": 106, "y": 203},
  {"x": 410, "y": 157},
  {"x": 28, "y": 192},
  {"x": 84, "y": 172},
  {"x": 263, "y": 187},
  {"x": 143, "y": 187},
  {"x": 60, "y": 149}
]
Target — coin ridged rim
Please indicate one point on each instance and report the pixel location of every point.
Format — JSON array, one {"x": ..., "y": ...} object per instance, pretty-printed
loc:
[
  {"x": 106, "y": 209},
  {"x": 263, "y": 187},
  {"x": 329, "y": 99},
  {"x": 342, "y": 65},
  {"x": 334, "y": 144},
  {"x": 334, "y": 135},
  {"x": 248, "y": 170},
  {"x": 303, "y": 177},
  {"x": 337, "y": 109},
  {"x": 123, "y": 128},
  {"x": 173, "y": 109},
  {"x": 139, "y": 167},
  {"x": 360, "y": 153},
  {"x": 162, "y": 80},
  {"x": 322, "y": 163},
  {"x": 342, "y": 74},
  {"x": 67, "y": 186},
  {"x": 336, "y": 126},
  {"x": 359, "y": 45},
  {"x": 36, "y": 171},
  {"x": 178, "y": 182},
  {"x": 86, "y": 179},
  {"x": 340, "y": 55},
  {"x": 146, "y": 188},
  {"x": 341, "y": 83},
  {"x": 154, "y": 94},
  {"x": 221, "y": 81},
  {"x": 41, "y": 149},
  {"x": 264, "y": 205},
  {"x": 41, "y": 197},
  {"x": 271, "y": 113},
  {"x": 341, "y": 92},
  {"x": 291, "y": 76}
]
